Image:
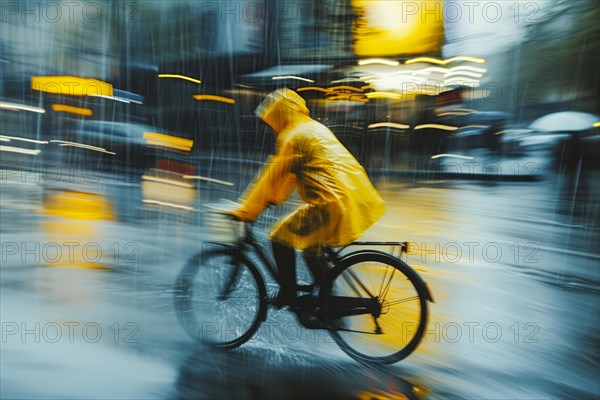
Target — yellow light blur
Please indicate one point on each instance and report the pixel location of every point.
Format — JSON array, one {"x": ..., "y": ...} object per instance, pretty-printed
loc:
[
  {"x": 71, "y": 85},
  {"x": 345, "y": 87},
  {"x": 389, "y": 124},
  {"x": 425, "y": 59},
  {"x": 517, "y": 131},
  {"x": 292, "y": 77},
  {"x": 78, "y": 206},
  {"x": 383, "y": 95},
  {"x": 316, "y": 88},
  {"x": 245, "y": 86},
  {"x": 212, "y": 97},
  {"x": 465, "y": 58},
  {"x": 436, "y": 126},
  {"x": 383, "y": 61},
  {"x": 462, "y": 110},
  {"x": 596, "y": 124},
  {"x": 331, "y": 89},
  {"x": 428, "y": 92},
  {"x": 73, "y": 216},
  {"x": 446, "y": 61},
  {"x": 453, "y": 113},
  {"x": 17, "y": 107},
  {"x": 86, "y": 112},
  {"x": 385, "y": 28},
  {"x": 176, "y": 76},
  {"x": 347, "y": 97},
  {"x": 379, "y": 394},
  {"x": 173, "y": 142}
]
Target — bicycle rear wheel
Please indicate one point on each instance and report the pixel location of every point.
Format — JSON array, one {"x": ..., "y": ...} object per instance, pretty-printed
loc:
[
  {"x": 219, "y": 299},
  {"x": 377, "y": 307}
]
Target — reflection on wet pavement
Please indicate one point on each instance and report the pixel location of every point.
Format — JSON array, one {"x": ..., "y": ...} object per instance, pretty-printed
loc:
[
  {"x": 248, "y": 374},
  {"x": 513, "y": 267}
]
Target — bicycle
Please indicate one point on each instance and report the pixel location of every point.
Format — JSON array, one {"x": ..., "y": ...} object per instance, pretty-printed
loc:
[{"x": 373, "y": 304}]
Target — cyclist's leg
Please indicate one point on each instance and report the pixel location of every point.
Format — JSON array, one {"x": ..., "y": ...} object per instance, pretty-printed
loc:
[
  {"x": 304, "y": 228},
  {"x": 285, "y": 258},
  {"x": 318, "y": 266},
  {"x": 313, "y": 257}
]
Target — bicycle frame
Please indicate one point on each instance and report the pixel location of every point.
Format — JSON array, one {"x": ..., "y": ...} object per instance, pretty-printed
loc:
[
  {"x": 338, "y": 306},
  {"x": 252, "y": 242},
  {"x": 332, "y": 256},
  {"x": 359, "y": 282}
]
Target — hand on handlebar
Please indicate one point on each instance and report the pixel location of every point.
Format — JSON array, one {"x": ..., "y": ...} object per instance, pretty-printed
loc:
[{"x": 244, "y": 214}]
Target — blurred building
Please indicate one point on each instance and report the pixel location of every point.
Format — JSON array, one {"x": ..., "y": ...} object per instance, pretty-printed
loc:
[{"x": 236, "y": 51}]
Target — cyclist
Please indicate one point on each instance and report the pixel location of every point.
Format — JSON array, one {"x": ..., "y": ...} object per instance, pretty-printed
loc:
[{"x": 341, "y": 203}]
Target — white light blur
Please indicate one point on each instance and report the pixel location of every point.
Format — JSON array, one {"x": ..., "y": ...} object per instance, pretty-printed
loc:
[
  {"x": 20, "y": 150},
  {"x": 19, "y": 107}
]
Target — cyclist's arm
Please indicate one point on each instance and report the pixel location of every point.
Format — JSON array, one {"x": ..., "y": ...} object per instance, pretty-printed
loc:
[{"x": 273, "y": 186}]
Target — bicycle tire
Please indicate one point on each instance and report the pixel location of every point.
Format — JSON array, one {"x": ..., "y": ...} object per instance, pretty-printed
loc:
[
  {"x": 349, "y": 331},
  {"x": 203, "y": 312}
]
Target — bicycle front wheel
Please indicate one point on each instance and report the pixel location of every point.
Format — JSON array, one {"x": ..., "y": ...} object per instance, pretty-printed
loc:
[
  {"x": 220, "y": 300},
  {"x": 376, "y": 306}
]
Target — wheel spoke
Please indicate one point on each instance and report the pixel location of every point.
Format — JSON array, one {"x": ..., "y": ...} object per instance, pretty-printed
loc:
[
  {"x": 352, "y": 285},
  {"x": 382, "y": 282},
  {"x": 393, "y": 303},
  {"x": 359, "y": 282},
  {"x": 387, "y": 287}
]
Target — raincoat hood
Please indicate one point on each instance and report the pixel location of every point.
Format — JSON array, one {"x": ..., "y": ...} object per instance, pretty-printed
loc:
[{"x": 281, "y": 108}]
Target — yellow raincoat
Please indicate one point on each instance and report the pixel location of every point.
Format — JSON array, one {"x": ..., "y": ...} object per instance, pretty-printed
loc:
[{"x": 341, "y": 201}]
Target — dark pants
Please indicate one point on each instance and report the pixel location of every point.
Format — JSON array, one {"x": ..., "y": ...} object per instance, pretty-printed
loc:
[{"x": 285, "y": 257}]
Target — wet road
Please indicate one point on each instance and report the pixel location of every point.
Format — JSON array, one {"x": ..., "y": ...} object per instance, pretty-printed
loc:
[{"x": 513, "y": 267}]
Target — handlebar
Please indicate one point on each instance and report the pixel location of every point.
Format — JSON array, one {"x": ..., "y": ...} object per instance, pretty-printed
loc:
[{"x": 224, "y": 208}]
